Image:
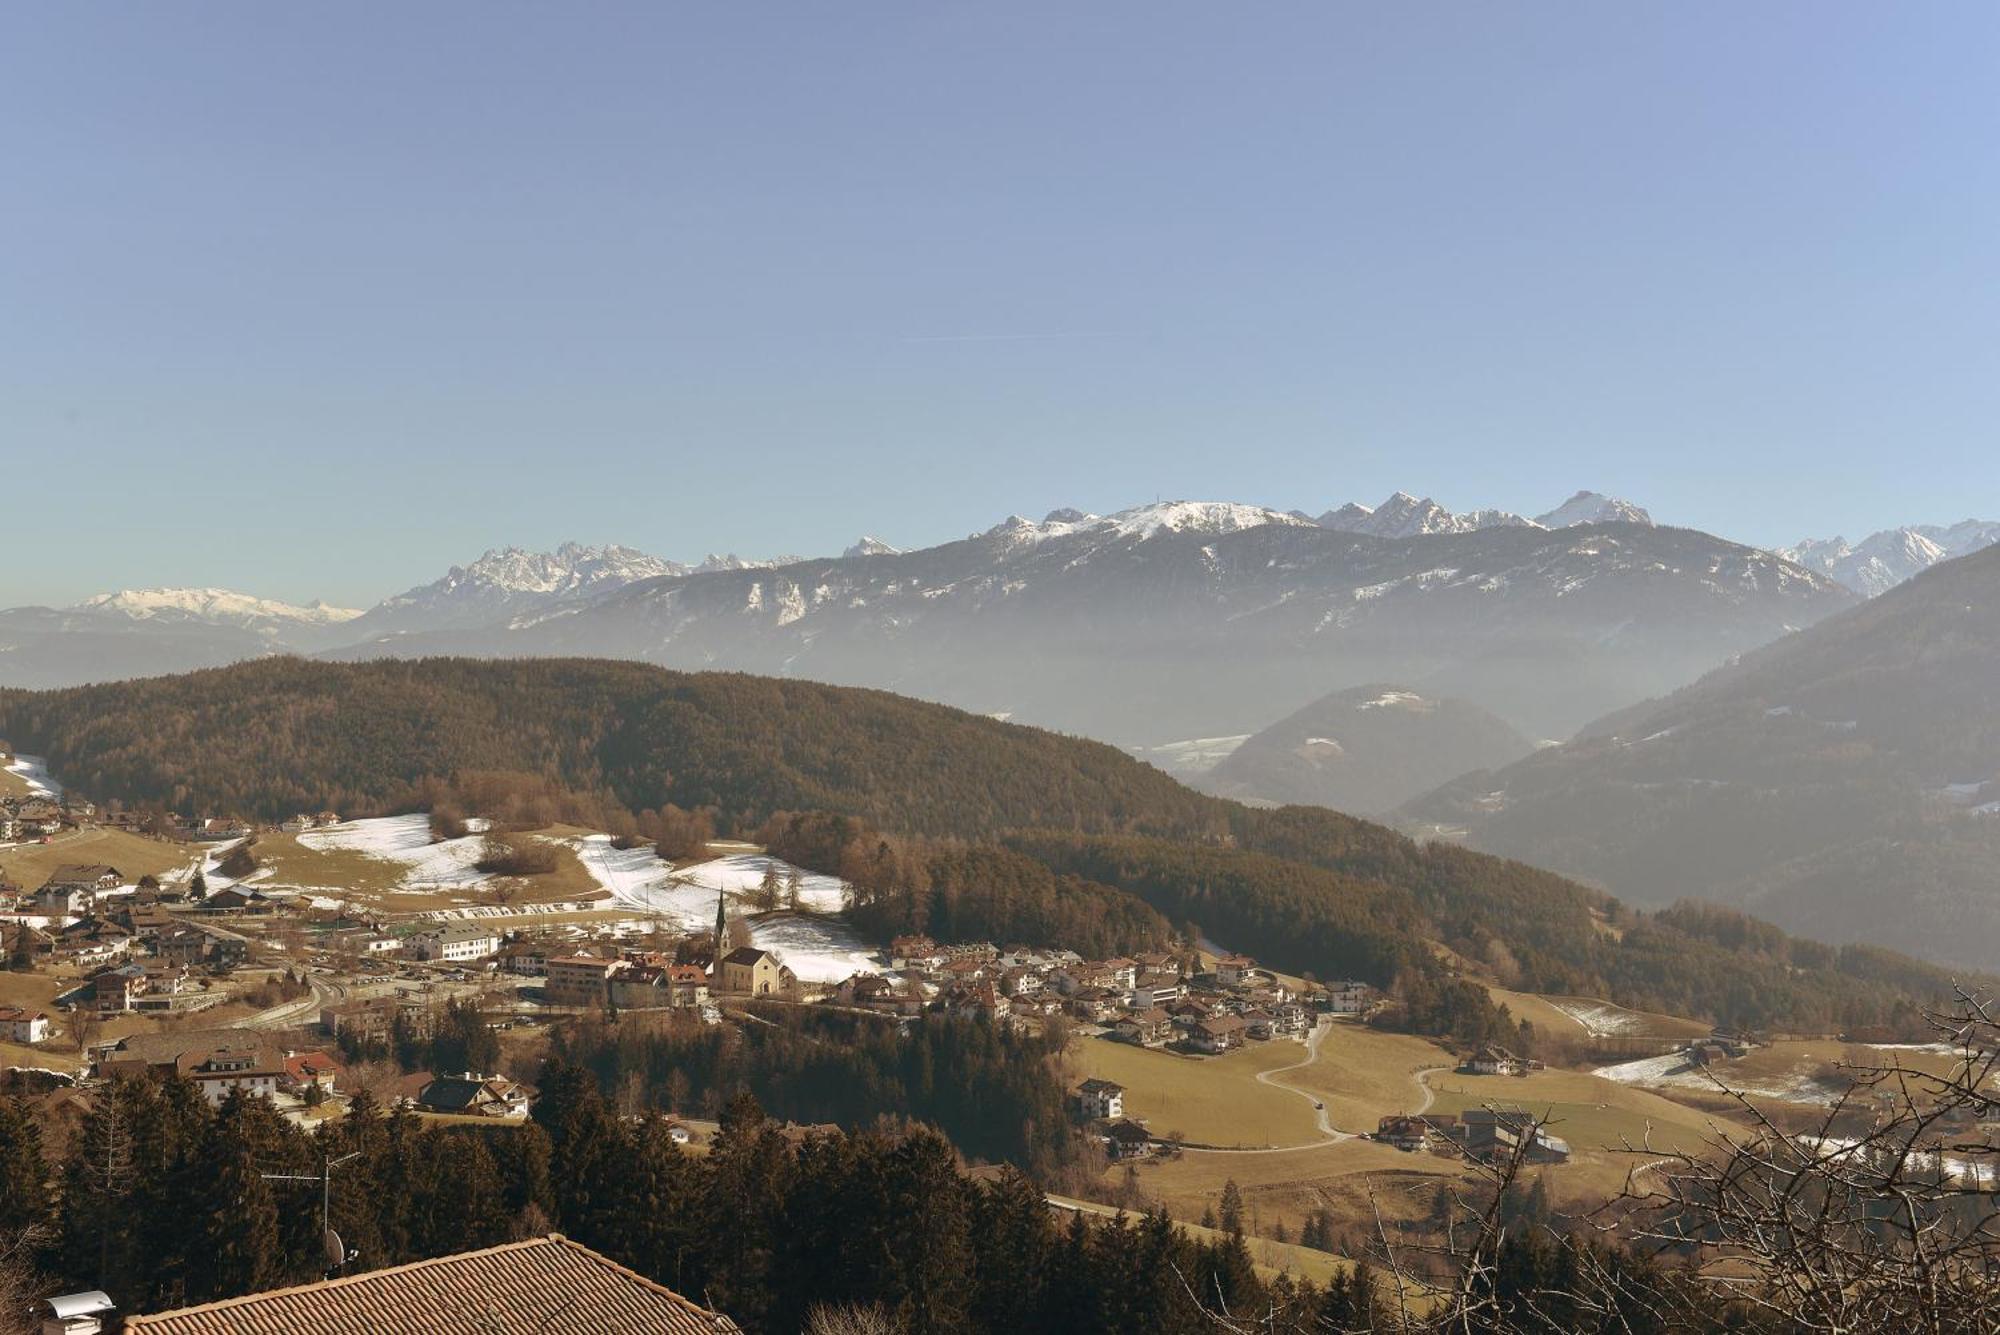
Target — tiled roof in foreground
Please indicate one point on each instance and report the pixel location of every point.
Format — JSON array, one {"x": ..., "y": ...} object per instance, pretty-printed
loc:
[{"x": 542, "y": 1285}]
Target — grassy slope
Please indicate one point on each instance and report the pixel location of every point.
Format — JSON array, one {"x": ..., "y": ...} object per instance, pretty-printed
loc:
[
  {"x": 1209, "y": 1100},
  {"x": 133, "y": 854}
]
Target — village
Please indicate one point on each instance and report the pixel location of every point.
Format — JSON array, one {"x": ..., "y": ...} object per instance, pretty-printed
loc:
[{"x": 349, "y": 956}]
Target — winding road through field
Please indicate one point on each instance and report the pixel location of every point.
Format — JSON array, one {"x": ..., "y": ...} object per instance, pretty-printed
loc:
[{"x": 1329, "y": 1133}]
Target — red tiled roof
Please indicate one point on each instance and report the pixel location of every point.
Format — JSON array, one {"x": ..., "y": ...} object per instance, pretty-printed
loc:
[{"x": 544, "y": 1284}]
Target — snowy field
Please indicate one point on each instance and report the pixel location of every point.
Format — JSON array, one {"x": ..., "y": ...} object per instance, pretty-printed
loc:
[
  {"x": 1674, "y": 1071},
  {"x": 406, "y": 841},
  {"x": 1601, "y": 1019},
  {"x": 34, "y": 771},
  {"x": 819, "y": 948}
]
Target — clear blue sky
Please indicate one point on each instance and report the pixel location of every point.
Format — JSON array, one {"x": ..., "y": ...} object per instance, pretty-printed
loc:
[{"x": 317, "y": 300}]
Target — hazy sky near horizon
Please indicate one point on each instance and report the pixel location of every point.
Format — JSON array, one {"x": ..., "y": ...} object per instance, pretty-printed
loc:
[{"x": 316, "y": 301}]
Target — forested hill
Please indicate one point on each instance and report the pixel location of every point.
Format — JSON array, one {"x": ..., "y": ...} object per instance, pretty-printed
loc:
[{"x": 281, "y": 735}]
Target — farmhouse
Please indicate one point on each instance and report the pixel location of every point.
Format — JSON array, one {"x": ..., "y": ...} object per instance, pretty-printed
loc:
[
  {"x": 20, "y": 1025},
  {"x": 1492, "y": 1059}
]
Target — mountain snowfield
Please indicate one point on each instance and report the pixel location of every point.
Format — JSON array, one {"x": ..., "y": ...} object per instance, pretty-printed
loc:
[
  {"x": 221, "y": 607},
  {"x": 1881, "y": 561}
]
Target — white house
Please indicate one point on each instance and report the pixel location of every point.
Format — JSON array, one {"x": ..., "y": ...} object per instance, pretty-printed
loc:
[
  {"x": 454, "y": 941},
  {"x": 1100, "y": 1099},
  {"x": 18, "y": 1025},
  {"x": 233, "y": 1068}
]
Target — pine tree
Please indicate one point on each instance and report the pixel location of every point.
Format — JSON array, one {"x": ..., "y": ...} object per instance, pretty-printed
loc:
[
  {"x": 23, "y": 1170},
  {"x": 1232, "y": 1209}
]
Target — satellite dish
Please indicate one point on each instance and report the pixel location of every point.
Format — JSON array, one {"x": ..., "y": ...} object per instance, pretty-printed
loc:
[{"x": 336, "y": 1251}]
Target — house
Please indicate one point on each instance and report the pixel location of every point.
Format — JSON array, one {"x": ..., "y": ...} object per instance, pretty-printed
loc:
[
  {"x": 526, "y": 959},
  {"x": 690, "y": 984},
  {"x": 1489, "y": 1133},
  {"x": 579, "y": 980},
  {"x": 976, "y": 1000},
  {"x": 1492, "y": 1059},
  {"x": 1157, "y": 989},
  {"x": 964, "y": 969},
  {"x": 1259, "y": 1023},
  {"x": 1234, "y": 970},
  {"x": 1346, "y": 998},
  {"x": 1217, "y": 1034},
  {"x": 1126, "y": 1139},
  {"x": 1115, "y": 972},
  {"x": 88, "y": 875},
  {"x": 542, "y": 1284},
  {"x": 865, "y": 989},
  {"x": 303, "y": 1070},
  {"x": 1018, "y": 982},
  {"x": 236, "y": 1067},
  {"x": 469, "y": 1095},
  {"x": 915, "y": 952},
  {"x": 20, "y": 1025},
  {"x": 1148, "y": 1028},
  {"x": 1099, "y": 1099},
  {"x": 640, "y": 987},
  {"x": 752, "y": 971},
  {"x": 10, "y": 826},
  {"x": 218, "y": 828},
  {"x": 59, "y": 900},
  {"x": 374, "y": 1019},
  {"x": 1409, "y": 1133},
  {"x": 1098, "y": 1005}
]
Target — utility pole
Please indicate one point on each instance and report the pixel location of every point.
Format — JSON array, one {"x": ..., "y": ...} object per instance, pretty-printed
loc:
[{"x": 336, "y": 1254}]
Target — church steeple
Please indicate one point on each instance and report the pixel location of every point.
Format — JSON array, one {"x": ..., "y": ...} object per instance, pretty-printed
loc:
[{"x": 721, "y": 924}]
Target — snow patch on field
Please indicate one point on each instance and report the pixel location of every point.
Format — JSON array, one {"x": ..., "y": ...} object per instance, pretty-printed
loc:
[
  {"x": 406, "y": 840},
  {"x": 34, "y": 771},
  {"x": 819, "y": 947},
  {"x": 1675, "y": 1071},
  {"x": 1601, "y": 1019}
]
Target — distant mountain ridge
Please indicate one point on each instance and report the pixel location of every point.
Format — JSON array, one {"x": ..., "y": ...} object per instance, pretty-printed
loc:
[
  {"x": 1171, "y": 620},
  {"x": 1845, "y": 779},
  {"x": 1407, "y": 516},
  {"x": 1197, "y": 619},
  {"x": 220, "y": 607},
  {"x": 1882, "y": 560},
  {"x": 1365, "y": 749}
]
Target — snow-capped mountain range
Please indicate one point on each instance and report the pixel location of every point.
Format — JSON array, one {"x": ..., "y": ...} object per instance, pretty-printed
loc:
[
  {"x": 1188, "y": 618},
  {"x": 1176, "y": 619},
  {"x": 1881, "y": 561},
  {"x": 219, "y": 607},
  {"x": 1406, "y": 516}
]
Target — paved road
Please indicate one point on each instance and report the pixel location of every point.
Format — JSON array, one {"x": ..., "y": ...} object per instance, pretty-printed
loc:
[
  {"x": 1330, "y": 1134},
  {"x": 286, "y": 1014}
]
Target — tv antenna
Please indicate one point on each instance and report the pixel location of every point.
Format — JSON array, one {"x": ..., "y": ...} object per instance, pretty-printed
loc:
[{"x": 337, "y": 1254}]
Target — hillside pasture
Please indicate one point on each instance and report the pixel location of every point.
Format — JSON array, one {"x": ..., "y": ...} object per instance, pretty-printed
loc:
[
  {"x": 1364, "y": 1074},
  {"x": 134, "y": 855},
  {"x": 1208, "y": 1100}
]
